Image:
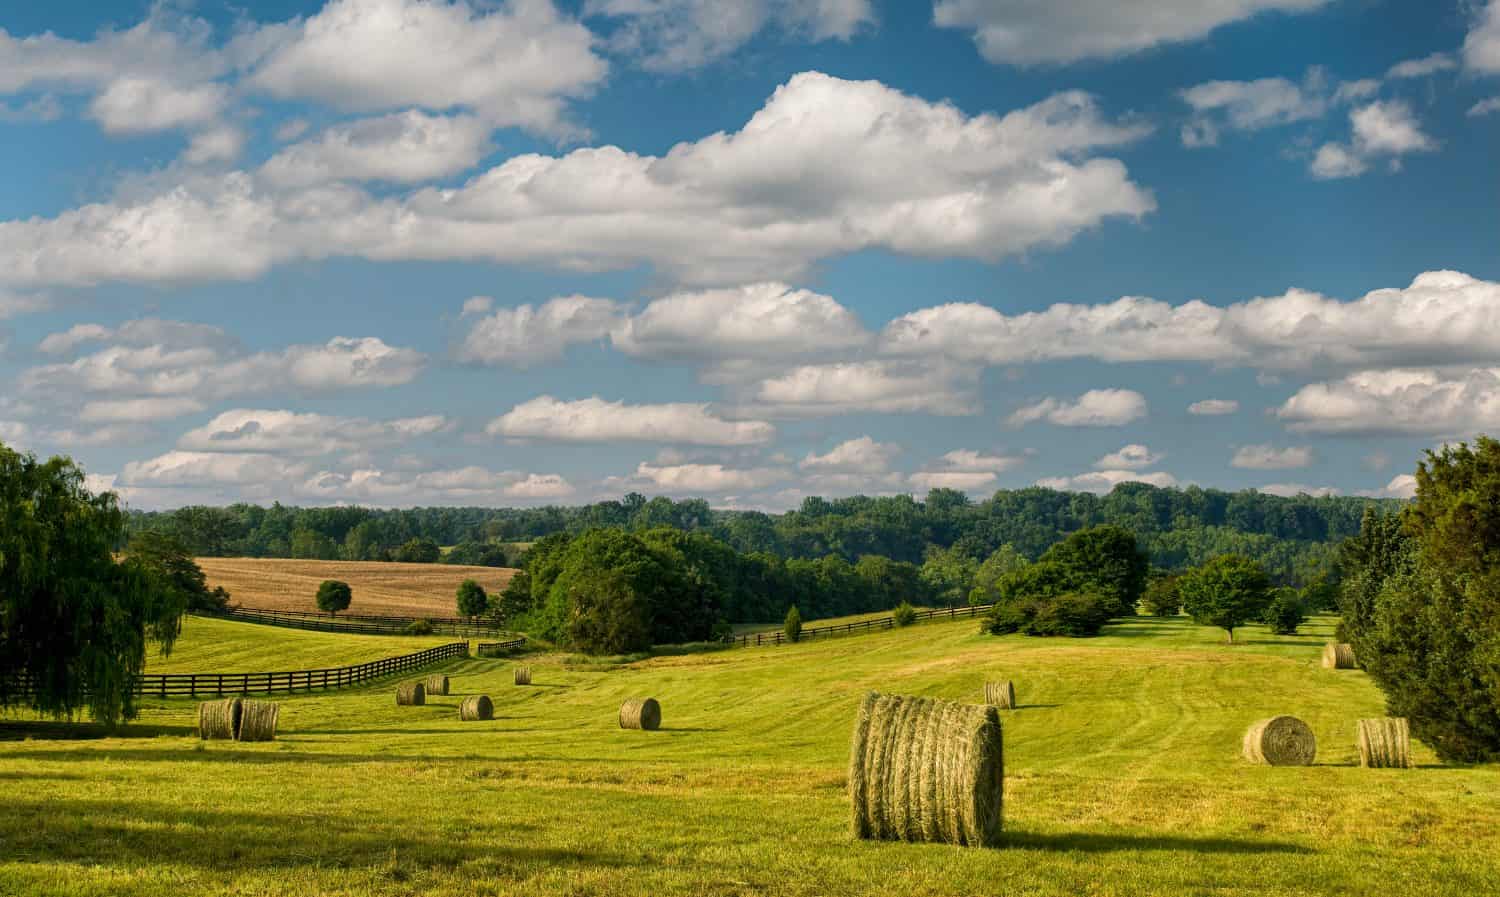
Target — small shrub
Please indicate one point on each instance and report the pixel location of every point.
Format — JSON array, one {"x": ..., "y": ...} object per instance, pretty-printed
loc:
[
  {"x": 1285, "y": 612},
  {"x": 1074, "y": 614},
  {"x": 793, "y": 625},
  {"x": 723, "y": 631},
  {"x": 418, "y": 627},
  {"x": 904, "y": 614}
]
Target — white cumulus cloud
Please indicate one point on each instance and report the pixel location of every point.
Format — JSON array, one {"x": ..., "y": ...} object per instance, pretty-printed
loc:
[
  {"x": 862, "y": 455},
  {"x": 526, "y": 335},
  {"x": 1269, "y": 457},
  {"x": 1213, "y": 407},
  {"x": 1130, "y": 457},
  {"x": 1095, "y": 408},
  {"x": 597, "y": 420},
  {"x": 1402, "y": 400}
]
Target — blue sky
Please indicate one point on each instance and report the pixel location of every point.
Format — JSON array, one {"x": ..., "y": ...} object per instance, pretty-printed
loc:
[{"x": 404, "y": 252}]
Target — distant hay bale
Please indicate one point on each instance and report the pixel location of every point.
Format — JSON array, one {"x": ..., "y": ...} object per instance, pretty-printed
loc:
[
  {"x": 220, "y": 719},
  {"x": 922, "y": 769},
  {"x": 640, "y": 713},
  {"x": 476, "y": 707},
  {"x": 1339, "y": 656},
  {"x": 258, "y": 721},
  {"x": 1384, "y": 743},
  {"x": 411, "y": 694},
  {"x": 1000, "y": 694},
  {"x": 437, "y": 684},
  {"x": 523, "y": 675},
  {"x": 1280, "y": 741}
]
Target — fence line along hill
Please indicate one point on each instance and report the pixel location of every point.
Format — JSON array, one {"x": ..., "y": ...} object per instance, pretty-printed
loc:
[{"x": 380, "y": 587}]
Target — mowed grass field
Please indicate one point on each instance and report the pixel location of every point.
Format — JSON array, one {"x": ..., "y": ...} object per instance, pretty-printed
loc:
[
  {"x": 406, "y": 590},
  {"x": 217, "y": 646},
  {"x": 1123, "y": 777}
]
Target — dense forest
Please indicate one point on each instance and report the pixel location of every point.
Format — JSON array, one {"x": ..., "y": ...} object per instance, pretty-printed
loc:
[{"x": 1294, "y": 538}]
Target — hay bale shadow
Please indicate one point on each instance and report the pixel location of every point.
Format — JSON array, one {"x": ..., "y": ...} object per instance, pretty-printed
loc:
[{"x": 61, "y": 730}]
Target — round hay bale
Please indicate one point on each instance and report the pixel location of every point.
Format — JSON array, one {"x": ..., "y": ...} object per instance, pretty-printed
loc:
[
  {"x": 220, "y": 719},
  {"x": 640, "y": 713},
  {"x": 411, "y": 694},
  {"x": 1280, "y": 741},
  {"x": 523, "y": 675},
  {"x": 922, "y": 769},
  {"x": 258, "y": 722},
  {"x": 1384, "y": 743},
  {"x": 1000, "y": 694},
  {"x": 437, "y": 684},
  {"x": 476, "y": 707},
  {"x": 1339, "y": 656}
]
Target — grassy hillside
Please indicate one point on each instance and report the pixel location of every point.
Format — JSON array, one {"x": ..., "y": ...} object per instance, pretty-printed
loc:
[
  {"x": 219, "y": 646},
  {"x": 1122, "y": 777},
  {"x": 379, "y": 587}
]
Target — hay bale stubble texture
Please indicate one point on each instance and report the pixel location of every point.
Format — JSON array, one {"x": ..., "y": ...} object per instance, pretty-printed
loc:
[
  {"x": 436, "y": 684},
  {"x": 922, "y": 769},
  {"x": 411, "y": 694},
  {"x": 1280, "y": 741},
  {"x": 523, "y": 675},
  {"x": 1339, "y": 656},
  {"x": 220, "y": 719},
  {"x": 476, "y": 707},
  {"x": 258, "y": 721},
  {"x": 1000, "y": 694},
  {"x": 640, "y": 713},
  {"x": 1384, "y": 743}
]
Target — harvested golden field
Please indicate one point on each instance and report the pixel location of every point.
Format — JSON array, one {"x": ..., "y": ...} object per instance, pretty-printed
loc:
[{"x": 379, "y": 587}]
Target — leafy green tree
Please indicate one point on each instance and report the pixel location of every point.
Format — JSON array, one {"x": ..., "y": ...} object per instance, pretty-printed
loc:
[
  {"x": 175, "y": 569},
  {"x": 313, "y": 545},
  {"x": 1285, "y": 612},
  {"x": 74, "y": 622},
  {"x": 419, "y": 550},
  {"x": 1105, "y": 560},
  {"x": 904, "y": 614},
  {"x": 334, "y": 596},
  {"x": 477, "y": 554},
  {"x": 1162, "y": 598},
  {"x": 472, "y": 599},
  {"x": 1001, "y": 562},
  {"x": 948, "y": 576},
  {"x": 607, "y": 614},
  {"x": 1421, "y": 603},
  {"x": 515, "y": 600},
  {"x": 1228, "y": 592},
  {"x": 1068, "y": 614},
  {"x": 792, "y": 626}
]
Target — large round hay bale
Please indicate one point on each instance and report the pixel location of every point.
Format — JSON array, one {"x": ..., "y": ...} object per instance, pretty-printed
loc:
[
  {"x": 258, "y": 721},
  {"x": 640, "y": 713},
  {"x": 921, "y": 769},
  {"x": 220, "y": 719},
  {"x": 437, "y": 684},
  {"x": 1280, "y": 741},
  {"x": 1384, "y": 743},
  {"x": 1339, "y": 656},
  {"x": 523, "y": 675},
  {"x": 411, "y": 694},
  {"x": 1000, "y": 694},
  {"x": 476, "y": 707}
]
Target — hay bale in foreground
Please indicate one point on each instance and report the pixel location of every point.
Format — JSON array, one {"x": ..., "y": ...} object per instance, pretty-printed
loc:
[
  {"x": 1384, "y": 743},
  {"x": 1339, "y": 656},
  {"x": 523, "y": 675},
  {"x": 411, "y": 694},
  {"x": 437, "y": 684},
  {"x": 922, "y": 769},
  {"x": 258, "y": 721},
  {"x": 1000, "y": 694},
  {"x": 220, "y": 719},
  {"x": 640, "y": 713},
  {"x": 1280, "y": 741},
  {"x": 476, "y": 707}
]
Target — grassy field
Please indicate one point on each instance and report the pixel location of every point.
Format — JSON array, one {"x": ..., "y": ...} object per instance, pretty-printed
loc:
[
  {"x": 752, "y": 628},
  {"x": 379, "y": 587},
  {"x": 1123, "y": 778},
  {"x": 218, "y": 646}
]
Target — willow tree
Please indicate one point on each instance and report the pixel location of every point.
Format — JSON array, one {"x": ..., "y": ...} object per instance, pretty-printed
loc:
[{"x": 74, "y": 622}]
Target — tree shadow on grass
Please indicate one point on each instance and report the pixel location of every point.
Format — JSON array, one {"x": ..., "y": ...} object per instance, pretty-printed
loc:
[
  {"x": 58, "y": 730},
  {"x": 1097, "y": 842},
  {"x": 1036, "y": 706},
  {"x": 154, "y": 835}
]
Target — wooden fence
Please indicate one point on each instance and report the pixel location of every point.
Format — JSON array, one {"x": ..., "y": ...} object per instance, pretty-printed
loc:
[
  {"x": 485, "y": 649},
  {"x": 367, "y": 624},
  {"x": 778, "y": 637},
  {"x": 166, "y": 685}
]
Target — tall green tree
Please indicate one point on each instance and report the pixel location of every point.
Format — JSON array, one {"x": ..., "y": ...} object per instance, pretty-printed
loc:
[
  {"x": 472, "y": 599},
  {"x": 1107, "y": 561},
  {"x": 334, "y": 596},
  {"x": 74, "y": 622},
  {"x": 1228, "y": 592},
  {"x": 175, "y": 569}
]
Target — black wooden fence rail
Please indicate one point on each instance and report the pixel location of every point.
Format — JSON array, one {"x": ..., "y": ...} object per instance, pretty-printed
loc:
[
  {"x": 166, "y": 685},
  {"x": 368, "y": 624},
  {"x": 484, "y": 648},
  {"x": 778, "y": 637}
]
